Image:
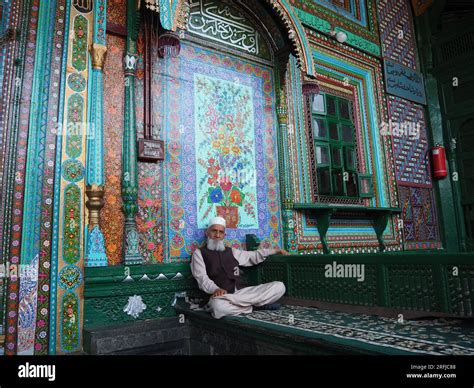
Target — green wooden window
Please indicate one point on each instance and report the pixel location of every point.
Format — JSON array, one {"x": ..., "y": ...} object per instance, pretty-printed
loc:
[{"x": 334, "y": 146}]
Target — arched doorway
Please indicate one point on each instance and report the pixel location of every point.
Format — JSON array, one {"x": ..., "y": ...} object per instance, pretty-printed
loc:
[{"x": 215, "y": 108}]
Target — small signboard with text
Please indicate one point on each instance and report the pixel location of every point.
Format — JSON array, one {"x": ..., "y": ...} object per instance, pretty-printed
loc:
[
  {"x": 150, "y": 150},
  {"x": 404, "y": 82}
]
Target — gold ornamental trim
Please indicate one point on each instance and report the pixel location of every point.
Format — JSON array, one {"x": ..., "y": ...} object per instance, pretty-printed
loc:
[{"x": 98, "y": 55}]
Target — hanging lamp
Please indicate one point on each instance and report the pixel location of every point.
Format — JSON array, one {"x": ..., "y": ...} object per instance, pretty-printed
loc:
[
  {"x": 169, "y": 44},
  {"x": 310, "y": 86}
]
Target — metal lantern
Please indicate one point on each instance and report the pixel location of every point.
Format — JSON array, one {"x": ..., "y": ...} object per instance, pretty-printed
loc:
[
  {"x": 310, "y": 87},
  {"x": 169, "y": 45}
]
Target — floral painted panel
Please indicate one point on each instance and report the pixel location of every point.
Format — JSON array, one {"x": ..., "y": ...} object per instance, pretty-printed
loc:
[
  {"x": 218, "y": 118},
  {"x": 111, "y": 216},
  {"x": 225, "y": 152},
  {"x": 149, "y": 217}
]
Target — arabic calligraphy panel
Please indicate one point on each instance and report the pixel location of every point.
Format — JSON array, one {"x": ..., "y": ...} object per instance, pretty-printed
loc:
[{"x": 220, "y": 22}]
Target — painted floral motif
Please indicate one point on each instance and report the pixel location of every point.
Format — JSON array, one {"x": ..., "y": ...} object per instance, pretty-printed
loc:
[
  {"x": 76, "y": 82},
  {"x": 18, "y": 169},
  {"x": 70, "y": 277},
  {"x": 223, "y": 191},
  {"x": 226, "y": 176},
  {"x": 72, "y": 225},
  {"x": 70, "y": 321},
  {"x": 116, "y": 12},
  {"x": 73, "y": 170},
  {"x": 185, "y": 179},
  {"x": 75, "y": 116},
  {"x": 149, "y": 218},
  {"x": 112, "y": 218},
  {"x": 101, "y": 19},
  {"x": 27, "y": 305},
  {"x": 79, "y": 45}
]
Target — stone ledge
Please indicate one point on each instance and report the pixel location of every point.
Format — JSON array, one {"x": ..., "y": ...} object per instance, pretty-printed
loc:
[{"x": 161, "y": 336}]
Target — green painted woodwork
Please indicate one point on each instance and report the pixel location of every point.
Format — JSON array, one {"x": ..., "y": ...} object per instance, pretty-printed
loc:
[
  {"x": 324, "y": 26},
  {"x": 251, "y": 242},
  {"x": 107, "y": 290},
  {"x": 427, "y": 281},
  {"x": 380, "y": 223},
  {"x": 323, "y": 219},
  {"x": 464, "y": 133},
  {"x": 409, "y": 281},
  {"x": 449, "y": 225},
  {"x": 286, "y": 191},
  {"x": 447, "y": 107},
  {"x": 458, "y": 177},
  {"x": 457, "y": 100},
  {"x": 453, "y": 60},
  {"x": 336, "y": 157},
  {"x": 129, "y": 156},
  {"x": 323, "y": 214}
]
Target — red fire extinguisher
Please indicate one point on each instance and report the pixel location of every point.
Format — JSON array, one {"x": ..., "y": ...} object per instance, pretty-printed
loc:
[{"x": 438, "y": 159}]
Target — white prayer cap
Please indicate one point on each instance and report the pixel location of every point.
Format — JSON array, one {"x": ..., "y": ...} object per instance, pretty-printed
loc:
[{"x": 217, "y": 221}]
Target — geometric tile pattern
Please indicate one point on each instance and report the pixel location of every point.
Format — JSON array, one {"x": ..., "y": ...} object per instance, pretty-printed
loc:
[
  {"x": 396, "y": 31},
  {"x": 43, "y": 304},
  {"x": 420, "y": 230},
  {"x": 17, "y": 159},
  {"x": 408, "y": 129}
]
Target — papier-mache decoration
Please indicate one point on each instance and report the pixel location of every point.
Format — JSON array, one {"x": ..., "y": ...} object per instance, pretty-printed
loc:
[{"x": 135, "y": 306}]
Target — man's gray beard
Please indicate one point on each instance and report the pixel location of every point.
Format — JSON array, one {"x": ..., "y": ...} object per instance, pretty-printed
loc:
[{"x": 215, "y": 245}]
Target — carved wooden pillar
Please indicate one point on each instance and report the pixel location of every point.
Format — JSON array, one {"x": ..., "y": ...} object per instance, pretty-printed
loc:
[
  {"x": 129, "y": 156},
  {"x": 285, "y": 174}
]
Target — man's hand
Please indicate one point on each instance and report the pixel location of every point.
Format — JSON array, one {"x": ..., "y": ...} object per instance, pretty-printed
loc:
[
  {"x": 282, "y": 252},
  {"x": 219, "y": 292}
]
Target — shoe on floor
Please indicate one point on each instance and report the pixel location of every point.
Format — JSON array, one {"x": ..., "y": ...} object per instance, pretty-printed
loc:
[{"x": 271, "y": 306}]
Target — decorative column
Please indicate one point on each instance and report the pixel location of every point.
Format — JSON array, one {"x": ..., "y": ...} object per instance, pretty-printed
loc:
[
  {"x": 95, "y": 179},
  {"x": 129, "y": 155},
  {"x": 29, "y": 146},
  {"x": 285, "y": 182},
  {"x": 67, "y": 272}
]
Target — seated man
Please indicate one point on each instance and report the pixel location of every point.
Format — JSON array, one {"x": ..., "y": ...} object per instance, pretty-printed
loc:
[{"x": 216, "y": 269}]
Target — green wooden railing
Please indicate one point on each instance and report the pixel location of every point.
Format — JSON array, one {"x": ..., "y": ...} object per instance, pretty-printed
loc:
[{"x": 427, "y": 281}]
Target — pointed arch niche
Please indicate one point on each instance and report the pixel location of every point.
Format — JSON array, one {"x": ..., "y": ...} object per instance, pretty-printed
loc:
[{"x": 221, "y": 107}]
